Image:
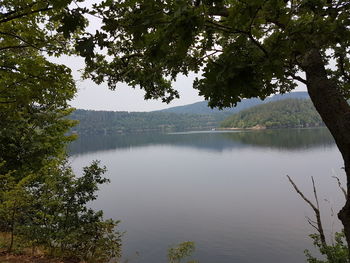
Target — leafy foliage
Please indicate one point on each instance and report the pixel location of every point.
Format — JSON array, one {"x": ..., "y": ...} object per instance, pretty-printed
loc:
[
  {"x": 49, "y": 210},
  {"x": 337, "y": 252},
  {"x": 181, "y": 251},
  {"x": 290, "y": 113},
  {"x": 42, "y": 25},
  {"x": 33, "y": 91},
  {"x": 245, "y": 49},
  {"x": 42, "y": 203}
]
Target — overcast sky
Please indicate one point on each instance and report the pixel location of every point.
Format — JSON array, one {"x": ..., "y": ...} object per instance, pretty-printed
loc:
[
  {"x": 98, "y": 97},
  {"x": 91, "y": 96}
]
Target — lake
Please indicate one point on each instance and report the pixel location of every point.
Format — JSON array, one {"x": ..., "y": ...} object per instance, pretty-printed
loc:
[{"x": 226, "y": 191}]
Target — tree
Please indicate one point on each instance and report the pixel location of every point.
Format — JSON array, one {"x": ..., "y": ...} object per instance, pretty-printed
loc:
[
  {"x": 34, "y": 92},
  {"x": 42, "y": 203},
  {"x": 33, "y": 107},
  {"x": 243, "y": 49}
]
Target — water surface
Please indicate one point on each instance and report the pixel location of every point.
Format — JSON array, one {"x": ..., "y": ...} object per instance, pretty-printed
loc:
[{"x": 226, "y": 191}]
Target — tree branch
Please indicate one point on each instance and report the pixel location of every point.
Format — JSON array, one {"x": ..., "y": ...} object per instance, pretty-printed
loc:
[
  {"x": 315, "y": 193},
  {"x": 316, "y": 209},
  {"x": 211, "y": 54},
  {"x": 300, "y": 79},
  {"x": 7, "y": 102},
  {"x": 14, "y": 47},
  {"x": 20, "y": 38},
  {"x": 238, "y": 31},
  {"x": 16, "y": 11},
  {"x": 222, "y": 13},
  {"x": 312, "y": 223},
  {"x": 302, "y": 195},
  {"x": 341, "y": 187},
  {"x": 25, "y": 14}
]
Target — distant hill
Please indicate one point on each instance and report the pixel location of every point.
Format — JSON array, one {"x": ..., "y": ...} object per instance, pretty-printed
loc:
[
  {"x": 287, "y": 113},
  {"x": 114, "y": 122},
  {"x": 197, "y": 116},
  {"x": 202, "y": 107}
]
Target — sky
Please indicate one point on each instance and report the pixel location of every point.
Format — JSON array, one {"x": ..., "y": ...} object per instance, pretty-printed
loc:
[{"x": 91, "y": 96}]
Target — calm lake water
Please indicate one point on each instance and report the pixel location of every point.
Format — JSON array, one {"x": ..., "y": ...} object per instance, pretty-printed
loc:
[{"x": 226, "y": 191}]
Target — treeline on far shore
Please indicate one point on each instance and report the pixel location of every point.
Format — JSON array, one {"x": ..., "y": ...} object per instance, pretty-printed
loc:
[
  {"x": 287, "y": 113},
  {"x": 110, "y": 122}
]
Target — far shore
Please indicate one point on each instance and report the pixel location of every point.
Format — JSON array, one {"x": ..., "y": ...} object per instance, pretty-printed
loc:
[{"x": 257, "y": 127}]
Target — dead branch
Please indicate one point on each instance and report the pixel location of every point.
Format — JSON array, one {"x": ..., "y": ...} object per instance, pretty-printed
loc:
[
  {"x": 341, "y": 187},
  {"x": 318, "y": 223}
]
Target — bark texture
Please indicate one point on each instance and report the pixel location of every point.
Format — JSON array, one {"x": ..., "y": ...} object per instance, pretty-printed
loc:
[{"x": 335, "y": 112}]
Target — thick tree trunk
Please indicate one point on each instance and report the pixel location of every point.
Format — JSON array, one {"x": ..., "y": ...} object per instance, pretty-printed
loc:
[{"x": 335, "y": 112}]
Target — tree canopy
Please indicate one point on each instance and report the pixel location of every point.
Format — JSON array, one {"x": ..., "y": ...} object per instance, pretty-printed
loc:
[
  {"x": 243, "y": 49},
  {"x": 42, "y": 203}
]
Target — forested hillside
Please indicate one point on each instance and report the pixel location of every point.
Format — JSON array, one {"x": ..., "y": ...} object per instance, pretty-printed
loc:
[
  {"x": 289, "y": 113},
  {"x": 109, "y": 122},
  {"x": 189, "y": 117},
  {"x": 202, "y": 106},
  {"x": 297, "y": 111}
]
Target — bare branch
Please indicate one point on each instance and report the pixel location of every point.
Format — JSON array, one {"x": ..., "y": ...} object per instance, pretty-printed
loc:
[
  {"x": 315, "y": 193},
  {"x": 312, "y": 223},
  {"x": 302, "y": 195},
  {"x": 316, "y": 209},
  {"x": 341, "y": 187}
]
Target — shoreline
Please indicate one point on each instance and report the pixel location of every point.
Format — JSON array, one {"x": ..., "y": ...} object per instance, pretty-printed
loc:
[{"x": 258, "y": 127}]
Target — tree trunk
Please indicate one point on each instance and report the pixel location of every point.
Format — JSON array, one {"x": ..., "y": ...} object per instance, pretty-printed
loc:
[{"x": 335, "y": 112}]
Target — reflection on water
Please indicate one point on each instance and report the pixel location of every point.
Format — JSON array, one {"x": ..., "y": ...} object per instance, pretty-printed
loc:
[
  {"x": 226, "y": 191},
  {"x": 287, "y": 139}
]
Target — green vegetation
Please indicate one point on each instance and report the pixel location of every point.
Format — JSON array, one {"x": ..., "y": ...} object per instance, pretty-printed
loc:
[
  {"x": 290, "y": 113},
  {"x": 48, "y": 211},
  {"x": 182, "y": 118},
  {"x": 337, "y": 252},
  {"x": 203, "y": 108},
  {"x": 245, "y": 49},
  {"x": 109, "y": 122},
  {"x": 43, "y": 205},
  {"x": 181, "y": 251}
]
